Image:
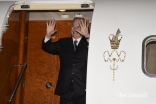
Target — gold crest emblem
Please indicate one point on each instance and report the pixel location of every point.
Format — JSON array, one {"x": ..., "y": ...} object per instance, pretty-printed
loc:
[{"x": 114, "y": 42}]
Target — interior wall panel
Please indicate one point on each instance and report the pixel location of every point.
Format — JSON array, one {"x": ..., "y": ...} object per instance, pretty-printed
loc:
[{"x": 42, "y": 67}]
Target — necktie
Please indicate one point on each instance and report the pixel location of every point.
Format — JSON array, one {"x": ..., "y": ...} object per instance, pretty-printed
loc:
[{"x": 75, "y": 45}]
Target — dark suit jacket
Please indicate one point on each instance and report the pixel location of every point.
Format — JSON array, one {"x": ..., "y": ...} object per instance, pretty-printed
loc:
[{"x": 73, "y": 65}]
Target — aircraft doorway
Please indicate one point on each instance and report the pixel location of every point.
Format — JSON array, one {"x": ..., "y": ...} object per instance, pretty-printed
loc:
[{"x": 22, "y": 43}]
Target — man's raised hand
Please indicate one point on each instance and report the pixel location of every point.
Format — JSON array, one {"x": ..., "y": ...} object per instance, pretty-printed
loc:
[{"x": 50, "y": 29}]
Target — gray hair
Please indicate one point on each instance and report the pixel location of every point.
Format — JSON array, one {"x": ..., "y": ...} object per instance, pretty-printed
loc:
[{"x": 76, "y": 19}]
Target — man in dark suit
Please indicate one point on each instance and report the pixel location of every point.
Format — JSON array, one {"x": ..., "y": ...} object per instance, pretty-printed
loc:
[{"x": 73, "y": 53}]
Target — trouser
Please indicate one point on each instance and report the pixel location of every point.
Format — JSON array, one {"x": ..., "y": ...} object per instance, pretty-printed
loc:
[{"x": 70, "y": 97}]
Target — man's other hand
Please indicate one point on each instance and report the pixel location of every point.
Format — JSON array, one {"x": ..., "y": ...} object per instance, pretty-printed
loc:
[{"x": 84, "y": 28}]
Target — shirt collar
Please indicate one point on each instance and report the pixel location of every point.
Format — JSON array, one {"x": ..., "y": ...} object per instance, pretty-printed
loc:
[{"x": 78, "y": 40}]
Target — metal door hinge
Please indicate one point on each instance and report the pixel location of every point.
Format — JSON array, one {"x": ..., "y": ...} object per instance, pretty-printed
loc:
[
  {"x": 84, "y": 5},
  {"x": 25, "y": 6}
]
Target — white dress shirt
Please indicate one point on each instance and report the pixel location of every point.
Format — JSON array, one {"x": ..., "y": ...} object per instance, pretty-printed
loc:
[
  {"x": 46, "y": 39},
  {"x": 78, "y": 40}
]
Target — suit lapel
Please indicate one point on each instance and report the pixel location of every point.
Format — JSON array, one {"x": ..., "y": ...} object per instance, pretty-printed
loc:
[
  {"x": 70, "y": 45},
  {"x": 82, "y": 44}
]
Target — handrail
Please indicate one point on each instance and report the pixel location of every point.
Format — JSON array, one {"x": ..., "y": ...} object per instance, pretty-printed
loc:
[{"x": 17, "y": 83}]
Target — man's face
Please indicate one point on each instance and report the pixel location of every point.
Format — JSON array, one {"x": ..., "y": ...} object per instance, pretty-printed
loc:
[{"x": 76, "y": 26}]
